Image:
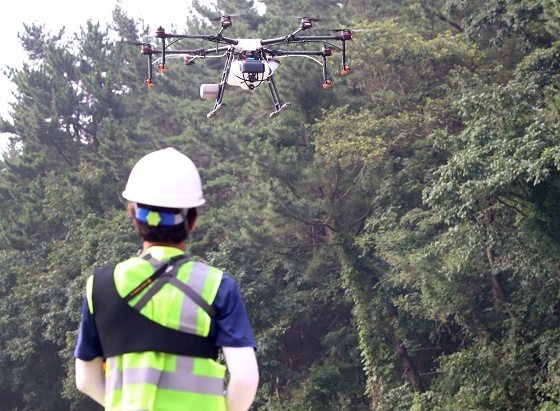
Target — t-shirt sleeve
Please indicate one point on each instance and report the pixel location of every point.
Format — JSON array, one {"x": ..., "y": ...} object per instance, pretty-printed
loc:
[
  {"x": 88, "y": 346},
  {"x": 233, "y": 328}
]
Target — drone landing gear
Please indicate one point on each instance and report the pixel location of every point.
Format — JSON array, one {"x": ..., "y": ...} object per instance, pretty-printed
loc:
[
  {"x": 217, "y": 108},
  {"x": 278, "y": 106},
  {"x": 278, "y": 110},
  {"x": 217, "y": 90}
]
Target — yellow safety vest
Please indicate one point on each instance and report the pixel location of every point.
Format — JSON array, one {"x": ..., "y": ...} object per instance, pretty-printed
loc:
[{"x": 158, "y": 381}]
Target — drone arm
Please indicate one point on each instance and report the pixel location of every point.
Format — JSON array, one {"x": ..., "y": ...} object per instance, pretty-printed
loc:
[
  {"x": 298, "y": 39},
  {"x": 199, "y": 52},
  {"x": 281, "y": 53},
  {"x": 303, "y": 39},
  {"x": 208, "y": 37},
  {"x": 277, "y": 40}
]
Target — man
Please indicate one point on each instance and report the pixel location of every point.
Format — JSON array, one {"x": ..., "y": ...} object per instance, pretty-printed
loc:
[{"x": 151, "y": 325}]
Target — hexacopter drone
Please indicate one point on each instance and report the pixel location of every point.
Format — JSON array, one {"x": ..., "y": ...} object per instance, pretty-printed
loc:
[{"x": 249, "y": 62}]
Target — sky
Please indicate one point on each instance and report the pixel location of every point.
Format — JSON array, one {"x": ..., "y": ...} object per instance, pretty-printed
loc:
[{"x": 55, "y": 14}]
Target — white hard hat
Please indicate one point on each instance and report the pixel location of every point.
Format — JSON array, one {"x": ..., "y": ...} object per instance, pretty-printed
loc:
[{"x": 165, "y": 178}]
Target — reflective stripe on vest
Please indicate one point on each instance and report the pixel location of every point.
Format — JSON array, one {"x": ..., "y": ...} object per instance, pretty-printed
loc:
[
  {"x": 199, "y": 324},
  {"x": 163, "y": 382},
  {"x": 183, "y": 379}
]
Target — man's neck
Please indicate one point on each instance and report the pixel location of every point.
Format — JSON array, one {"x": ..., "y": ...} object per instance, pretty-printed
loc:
[{"x": 180, "y": 246}]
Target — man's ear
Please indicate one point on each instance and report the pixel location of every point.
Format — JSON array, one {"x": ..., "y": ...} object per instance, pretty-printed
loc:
[
  {"x": 192, "y": 220},
  {"x": 131, "y": 214},
  {"x": 130, "y": 209}
]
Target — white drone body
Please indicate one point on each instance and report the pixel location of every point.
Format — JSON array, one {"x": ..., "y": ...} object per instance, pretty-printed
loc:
[{"x": 245, "y": 72}]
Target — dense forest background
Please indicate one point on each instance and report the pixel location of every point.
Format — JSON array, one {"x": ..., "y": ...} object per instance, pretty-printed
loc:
[{"x": 396, "y": 237}]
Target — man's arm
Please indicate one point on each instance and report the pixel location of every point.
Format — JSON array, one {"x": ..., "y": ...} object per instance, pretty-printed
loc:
[
  {"x": 90, "y": 378},
  {"x": 244, "y": 377}
]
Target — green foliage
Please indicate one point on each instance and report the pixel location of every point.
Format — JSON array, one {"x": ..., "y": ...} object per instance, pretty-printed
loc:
[
  {"x": 498, "y": 21},
  {"x": 395, "y": 237}
]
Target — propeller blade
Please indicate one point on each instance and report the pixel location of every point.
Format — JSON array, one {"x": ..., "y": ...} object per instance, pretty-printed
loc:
[
  {"x": 219, "y": 18},
  {"x": 135, "y": 43},
  {"x": 305, "y": 17}
]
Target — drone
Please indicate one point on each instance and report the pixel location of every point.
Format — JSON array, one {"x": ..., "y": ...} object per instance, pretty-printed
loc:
[{"x": 248, "y": 62}]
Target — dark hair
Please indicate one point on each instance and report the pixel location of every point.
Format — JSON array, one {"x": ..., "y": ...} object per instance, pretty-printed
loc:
[{"x": 163, "y": 234}]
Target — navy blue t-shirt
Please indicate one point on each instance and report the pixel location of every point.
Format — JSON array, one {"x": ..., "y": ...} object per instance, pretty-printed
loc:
[{"x": 230, "y": 327}]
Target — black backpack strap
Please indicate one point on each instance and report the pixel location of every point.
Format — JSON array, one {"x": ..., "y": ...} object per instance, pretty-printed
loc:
[
  {"x": 159, "y": 269},
  {"x": 158, "y": 285},
  {"x": 193, "y": 295}
]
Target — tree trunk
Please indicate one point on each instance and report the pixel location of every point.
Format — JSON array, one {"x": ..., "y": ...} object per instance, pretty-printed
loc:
[{"x": 406, "y": 362}]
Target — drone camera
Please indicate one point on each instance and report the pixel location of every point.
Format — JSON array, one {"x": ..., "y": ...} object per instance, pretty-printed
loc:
[{"x": 252, "y": 67}]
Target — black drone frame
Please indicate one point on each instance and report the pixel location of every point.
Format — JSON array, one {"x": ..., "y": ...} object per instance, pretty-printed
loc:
[{"x": 254, "y": 59}]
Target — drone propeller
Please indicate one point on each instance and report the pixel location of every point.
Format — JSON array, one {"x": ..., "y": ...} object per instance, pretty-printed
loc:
[
  {"x": 225, "y": 20},
  {"x": 306, "y": 22},
  {"x": 219, "y": 18},
  {"x": 145, "y": 47},
  {"x": 305, "y": 17},
  {"x": 346, "y": 33},
  {"x": 353, "y": 30},
  {"x": 135, "y": 43}
]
